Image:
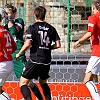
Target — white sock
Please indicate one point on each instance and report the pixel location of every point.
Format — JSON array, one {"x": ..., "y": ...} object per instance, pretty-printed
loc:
[{"x": 93, "y": 90}]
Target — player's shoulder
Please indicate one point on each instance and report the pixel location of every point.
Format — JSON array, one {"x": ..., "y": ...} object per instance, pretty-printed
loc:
[
  {"x": 2, "y": 29},
  {"x": 37, "y": 25},
  {"x": 19, "y": 20},
  {"x": 50, "y": 25},
  {"x": 94, "y": 16},
  {"x": 43, "y": 23},
  {"x": 30, "y": 28},
  {"x": 91, "y": 17}
]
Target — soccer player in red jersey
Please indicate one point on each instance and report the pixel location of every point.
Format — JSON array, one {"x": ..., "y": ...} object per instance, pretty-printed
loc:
[
  {"x": 93, "y": 33},
  {"x": 7, "y": 47}
]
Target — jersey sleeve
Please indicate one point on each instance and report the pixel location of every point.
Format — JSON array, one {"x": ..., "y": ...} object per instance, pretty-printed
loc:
[
  {"x": 17, "y": 26},
  {"x": 55, "y": 35},
  {"x": 29, "y": 33},
  {"x": 91, "y": 24}
]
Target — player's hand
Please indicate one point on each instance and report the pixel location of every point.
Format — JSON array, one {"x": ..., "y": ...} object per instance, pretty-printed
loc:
[
  {"x": 17, "y": 56},
  {"x": 75, "y": 44},
  {"x": 8, "y": 18},
  {"x": 6, "y": 15}
]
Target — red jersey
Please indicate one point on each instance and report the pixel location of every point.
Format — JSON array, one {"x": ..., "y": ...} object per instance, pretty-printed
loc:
[
  {"x": 7, "y": 45},
  {"x": 94, "y": 28}
]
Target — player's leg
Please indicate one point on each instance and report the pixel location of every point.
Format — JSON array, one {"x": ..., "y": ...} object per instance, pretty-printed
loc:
[
  {"x": 19, "y": 64},
  {"x": 5, "y": 70},
  {"x": 92, "y": 68},
  {"x": 18, "y": 68},
  {"x": 24, "y": 88},
  {"x": 94, "y": 78},
  {"x": 98, "y": 76},
  {"x": 43, "y": 76},
  {"x": 91, "y": 86},
  {"x": 30, "y": 72},
  {"x": 34, "y": 88},
  {"x": 45, "y": 88}
]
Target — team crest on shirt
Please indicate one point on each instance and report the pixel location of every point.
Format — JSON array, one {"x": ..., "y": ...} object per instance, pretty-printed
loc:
[{"x": 90, "y": 24}]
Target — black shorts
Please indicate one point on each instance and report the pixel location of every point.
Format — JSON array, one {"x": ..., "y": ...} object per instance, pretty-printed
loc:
[{"x": 34, "y": 70}]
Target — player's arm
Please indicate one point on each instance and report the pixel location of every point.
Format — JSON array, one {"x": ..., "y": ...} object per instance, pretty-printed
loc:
[
  {"x": 24, "y": 48},
  {"x": 56, "y": 40},
  {"x": 91, "y": 28},
  {"x": 56, "y": 45},
  {"x": 27, "y": 42},
  {"x": 85, "y": 37}
]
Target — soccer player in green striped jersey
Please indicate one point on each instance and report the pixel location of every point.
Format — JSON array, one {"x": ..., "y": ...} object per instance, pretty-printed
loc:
[{"x": 16, "y": 28}]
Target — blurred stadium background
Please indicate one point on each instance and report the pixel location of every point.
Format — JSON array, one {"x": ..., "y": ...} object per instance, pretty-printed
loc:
[{"x": 69, "y": 17}]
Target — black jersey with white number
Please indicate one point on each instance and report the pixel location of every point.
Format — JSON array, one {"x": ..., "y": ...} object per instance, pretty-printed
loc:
[{"x": 42, "y": 35}]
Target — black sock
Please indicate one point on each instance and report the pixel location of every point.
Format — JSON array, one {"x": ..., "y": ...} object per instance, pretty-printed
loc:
[
  {"x": 46, "y": 91},
  {"x": 26, "y": 92},
  {"x": 36, "y": 91}
]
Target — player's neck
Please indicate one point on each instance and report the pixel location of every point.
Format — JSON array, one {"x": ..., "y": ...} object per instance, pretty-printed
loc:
[
  {"x": 96, "y": 11},
  {"x": 39, "y": 20}
]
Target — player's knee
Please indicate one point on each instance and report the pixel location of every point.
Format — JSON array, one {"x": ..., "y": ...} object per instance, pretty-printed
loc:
[
  {"x": 88, "y": 77},
  {"x": 23, "y": 81},
  {"x": 31, "y": 84},
  {"x": 41, "y": 82},
  {"x": 86, "y": 80}
]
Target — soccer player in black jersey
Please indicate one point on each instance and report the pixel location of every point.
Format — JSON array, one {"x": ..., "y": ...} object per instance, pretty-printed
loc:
[{"x": 39, "y": 37}]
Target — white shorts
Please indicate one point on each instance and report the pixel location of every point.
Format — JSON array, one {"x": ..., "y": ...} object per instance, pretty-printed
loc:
[
  {"x": 6, "y": 68},
  {"x": 93, "y": 65}
]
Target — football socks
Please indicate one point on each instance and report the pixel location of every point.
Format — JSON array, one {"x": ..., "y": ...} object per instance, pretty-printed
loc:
[
  {"x": 93, "y": 90},
  {"x": 46, "y": 91},
  {"x": 36, "y": 91},
  {"x": 26, "y": 92}
]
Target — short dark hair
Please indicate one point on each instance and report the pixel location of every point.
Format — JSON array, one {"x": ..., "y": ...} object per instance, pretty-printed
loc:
[
  {"x": 40, "y": 12},
  {"x": 10, "y": 6},
  {"x": 96, "y": 3}
]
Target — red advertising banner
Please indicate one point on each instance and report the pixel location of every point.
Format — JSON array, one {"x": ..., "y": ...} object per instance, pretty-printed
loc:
[{"x": 60, "y": 91}]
